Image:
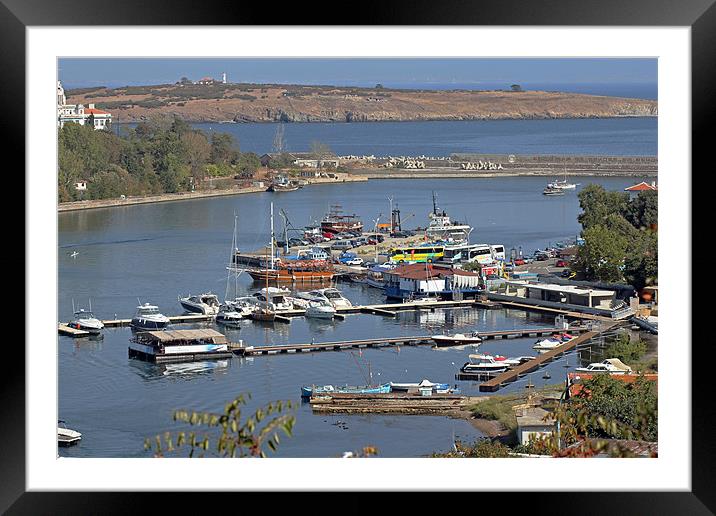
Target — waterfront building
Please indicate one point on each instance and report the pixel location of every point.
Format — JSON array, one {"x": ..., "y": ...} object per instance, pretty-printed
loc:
[
  {"x": 79, "y": 114},
  {"x": 419, "y": 280},
  {"x": 533, "y": 424},
  {"x": 543, "y": 293},
  {"x": 642, "y": 187}
]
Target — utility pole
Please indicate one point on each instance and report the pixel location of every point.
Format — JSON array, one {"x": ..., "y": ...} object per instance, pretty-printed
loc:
[{"x": 390, "y": 199}]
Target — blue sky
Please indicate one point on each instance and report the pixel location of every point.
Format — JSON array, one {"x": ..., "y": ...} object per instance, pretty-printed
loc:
[{"x": 422, "y": 72}]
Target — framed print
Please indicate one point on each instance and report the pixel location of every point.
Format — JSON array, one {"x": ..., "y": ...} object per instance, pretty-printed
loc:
[{"x": 427, "y": 245}]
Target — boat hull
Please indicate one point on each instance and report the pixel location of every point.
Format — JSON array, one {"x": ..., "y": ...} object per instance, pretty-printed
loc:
[
  {"x": 450, "y": 341},
  {"x": 147, "y": 324},
  {"x": 309, "y": 390},
  {"x": 288, "y": 276}
]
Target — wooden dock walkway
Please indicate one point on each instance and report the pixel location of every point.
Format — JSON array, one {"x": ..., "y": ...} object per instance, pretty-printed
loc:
[
  {"x": 420, "y": 340},
  {"x": 393, "y": 403},
  {"x": 567, "y": 313},
  {"x": 71, "y": 332},
  {"x": 514, "y": 373}
]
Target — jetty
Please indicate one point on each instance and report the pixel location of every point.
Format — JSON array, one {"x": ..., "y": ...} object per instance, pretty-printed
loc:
[
  {"x": 419, "y": 340},
  {"x": 393, "y": 403},
  {"x": 516, "y": 372}
]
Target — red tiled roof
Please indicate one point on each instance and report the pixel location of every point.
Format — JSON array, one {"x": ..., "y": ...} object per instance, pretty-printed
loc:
[
  {"x": 95, "y": 111},
  {"x": 641, "y": 187}
]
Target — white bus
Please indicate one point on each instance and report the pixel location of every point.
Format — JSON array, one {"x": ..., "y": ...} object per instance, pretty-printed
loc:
[{"x": 498, "y": 251}]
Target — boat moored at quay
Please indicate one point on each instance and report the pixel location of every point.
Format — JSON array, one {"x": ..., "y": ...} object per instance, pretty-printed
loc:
[{"x": 178, "y": 345}]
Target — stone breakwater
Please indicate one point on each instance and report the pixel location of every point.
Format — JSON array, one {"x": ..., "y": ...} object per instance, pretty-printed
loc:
[{"x": 472, "y": 166}]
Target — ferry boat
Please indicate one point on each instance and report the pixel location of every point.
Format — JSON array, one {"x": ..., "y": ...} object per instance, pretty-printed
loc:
[
  {"x": 149, "y": 318},
  {"x": 442, "y": 228},
  {"x": 206, "y": 304},
  {"x": 337, "y": 222},
  {"x": 178, "y": 345}
]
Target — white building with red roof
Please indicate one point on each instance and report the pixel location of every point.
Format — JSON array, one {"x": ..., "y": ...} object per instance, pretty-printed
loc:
[{"x": 78, "y": 113}]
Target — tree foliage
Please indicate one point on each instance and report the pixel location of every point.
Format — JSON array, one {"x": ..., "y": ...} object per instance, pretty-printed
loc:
[
  {"x": 236, "y": 437},
  {"x": 161, "y": 154},
  {"x": 620, "y": 236}
]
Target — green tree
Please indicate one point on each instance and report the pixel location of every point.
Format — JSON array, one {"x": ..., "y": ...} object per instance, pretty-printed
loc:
[
  {"x": 601, "y": 257},
  {"x": 237, "y": 437},
  {"x": 597, "y": 204},
  {"x": 641, "y": 266},
  {"x": 643, "y": 210},
  {"x": 625, "y": 350},
  {"x": 222, "y": 148}
]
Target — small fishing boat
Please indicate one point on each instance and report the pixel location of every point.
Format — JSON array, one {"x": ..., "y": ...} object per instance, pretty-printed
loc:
[
  {"x": 206, "y": 304},
  {"x": 148, "y": 317},
  {"x": 320, "y": 309},
  {"x": 283, "y": 184},
  {"x": 310, "y": 390},
  {"x": 457, "y": 339},
  {"x": 67, "y": 436},
  {"x": 484, "y": 364},
  {"x": 85, "y": 320}
]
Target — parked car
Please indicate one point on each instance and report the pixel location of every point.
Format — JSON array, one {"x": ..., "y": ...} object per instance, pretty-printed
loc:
[
  {"x": 566, "y": 273},
  {"x": 542, "y": 257},
  {"x": 519, "y": 261},
  {"x": 560, "y": 263}
]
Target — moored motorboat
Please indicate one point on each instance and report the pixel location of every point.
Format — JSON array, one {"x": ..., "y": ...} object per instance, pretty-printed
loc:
[
  {"x": 332, "y": 296},
  {"x": 458, "y": 339},
  {"x": 320, "y": 310},
  {"x": 148, "y": 317},
  {"x": 479, "y": 363},
  {"x": 552, "y": 190},
  {"x": 206, "y": 304},
  {"x": 86, "y": 320},
  {"x": 438, "y": 387},
  {"x": 67, "y": 436},
  {"x": 553, "y": 342}
]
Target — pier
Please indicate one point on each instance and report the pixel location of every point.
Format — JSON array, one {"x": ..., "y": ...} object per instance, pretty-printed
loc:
[
  {"x": 419, "y": 340},
  {"x": 514, "y": 373},
  {"x": 392, "y": 403}
]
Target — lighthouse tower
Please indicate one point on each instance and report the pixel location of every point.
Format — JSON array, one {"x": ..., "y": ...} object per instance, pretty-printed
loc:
[{"x": 223, "y": 78}]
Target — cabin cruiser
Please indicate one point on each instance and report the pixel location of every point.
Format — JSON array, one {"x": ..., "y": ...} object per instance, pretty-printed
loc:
[
  {"x": 484, "y": 364},
  {"x": 232, "y": 312},
  {"x": 320, "y": 309},
  {"x": 206, "y": 304},
  {"x": 274, "y": 298},
  {"x": 552, "y": 190},
  {"x": 332, "y": 296},
  {"x": 149, "y": 318},
  {"x": 457, "y": 339},
  {"x": 562, "y": 184},
  {"x": 609, "y": 366},
  {"x": 66, "y": 436},
  {"x": 85, "y": 320}
]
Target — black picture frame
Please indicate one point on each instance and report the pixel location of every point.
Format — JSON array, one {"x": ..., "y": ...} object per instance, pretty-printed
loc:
[{"x": 699, "y": 15}]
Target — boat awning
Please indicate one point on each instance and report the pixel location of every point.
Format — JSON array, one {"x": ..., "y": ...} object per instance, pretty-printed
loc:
[{"x": 174, "y": 335}]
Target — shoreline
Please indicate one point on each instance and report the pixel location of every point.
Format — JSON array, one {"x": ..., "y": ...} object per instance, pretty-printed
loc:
[{"x": 360, "y": 175}]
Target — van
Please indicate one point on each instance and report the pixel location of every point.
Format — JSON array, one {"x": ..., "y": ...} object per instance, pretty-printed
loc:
[{"x": 341, "y": 245}]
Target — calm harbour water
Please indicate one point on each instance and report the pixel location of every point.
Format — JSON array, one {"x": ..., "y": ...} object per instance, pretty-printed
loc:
[
  {"x": 605, "y": 136},
  {"x": 155, "y": 253}
]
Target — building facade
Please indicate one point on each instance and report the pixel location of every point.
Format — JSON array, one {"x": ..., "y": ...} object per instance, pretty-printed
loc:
[{"x": 79, "y": 114}]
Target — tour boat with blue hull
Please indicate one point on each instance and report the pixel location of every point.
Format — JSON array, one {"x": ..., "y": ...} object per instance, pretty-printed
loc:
[
  {"x": 179, "y": 345},
  {"x": 309, "y": 390}
]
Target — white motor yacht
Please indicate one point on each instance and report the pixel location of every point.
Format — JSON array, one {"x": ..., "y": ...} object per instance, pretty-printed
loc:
[
  {"x": 552, "y": 342},
  {"x": 320, "y": 309},
  {"x": 457, "y": 339},
  {"x": 332, "y": 296},
  {"x": 275, "y": 299},
  {"x": 484, "y": 364},
  {"x": 86, "y": 320},
  {"x": 148, "y": 317},
  {"x": 67, "y": 436},
  {"x": 206, "y": 304}
]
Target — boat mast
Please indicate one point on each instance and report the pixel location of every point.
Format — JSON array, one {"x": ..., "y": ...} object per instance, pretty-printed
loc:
[{"x": 272, "y": 236}]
